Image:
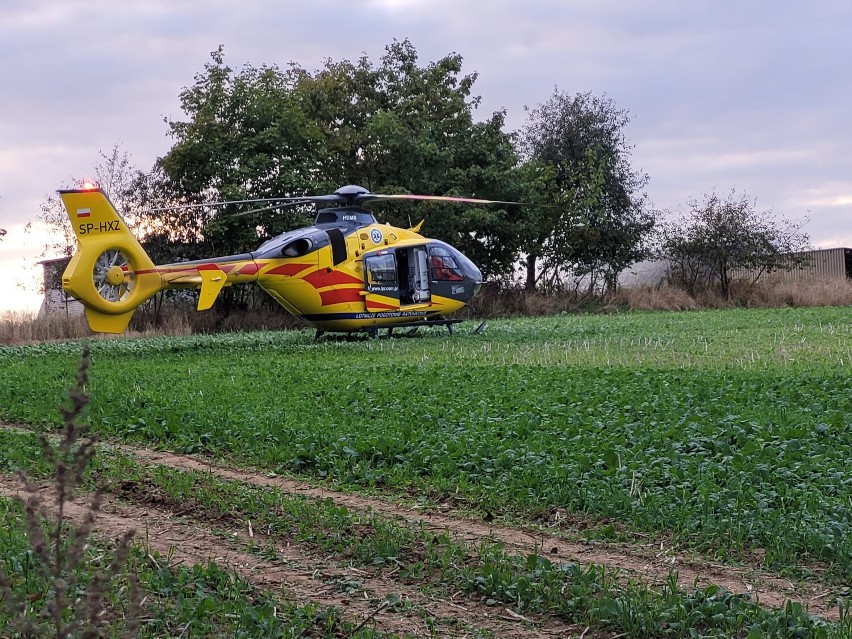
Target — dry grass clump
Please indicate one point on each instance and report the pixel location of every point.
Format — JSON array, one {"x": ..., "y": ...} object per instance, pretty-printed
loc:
[
  {"x": 272, "y": 319},
  {"x": 24, "y": 328},
  {"x": 773, "y": 292},
  {"x": 493, "y": 301},
  {"x": 777, "y": 292},
  {"x": 664, "y": 298}
]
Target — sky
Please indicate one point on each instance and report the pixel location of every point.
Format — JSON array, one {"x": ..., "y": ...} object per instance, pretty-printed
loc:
[{"x": 723, "y": 94}]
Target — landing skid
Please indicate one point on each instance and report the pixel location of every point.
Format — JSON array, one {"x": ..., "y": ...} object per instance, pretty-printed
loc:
[
  {"x": 413, "y": 326},
  {"x": 409, "y": 327}
]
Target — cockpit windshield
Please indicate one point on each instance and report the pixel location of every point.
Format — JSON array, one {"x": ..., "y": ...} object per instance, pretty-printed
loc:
[{"x": 444, "y": 265}]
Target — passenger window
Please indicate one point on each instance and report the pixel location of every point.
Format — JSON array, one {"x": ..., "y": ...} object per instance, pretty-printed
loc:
[
  {"x": 297, "y": 248},
  {"x": 381, "y": 269}
]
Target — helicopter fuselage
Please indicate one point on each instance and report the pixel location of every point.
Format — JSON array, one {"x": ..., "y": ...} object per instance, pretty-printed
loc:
[{"x": 348, "y": 273}]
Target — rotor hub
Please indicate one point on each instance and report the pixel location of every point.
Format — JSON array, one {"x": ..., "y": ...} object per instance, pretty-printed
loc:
[{"x": 115, "y": 275}]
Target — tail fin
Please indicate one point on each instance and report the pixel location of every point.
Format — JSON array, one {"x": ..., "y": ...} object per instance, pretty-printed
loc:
[{"x": 110, "y": 273}]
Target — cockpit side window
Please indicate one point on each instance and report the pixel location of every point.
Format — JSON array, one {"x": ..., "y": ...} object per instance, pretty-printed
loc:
[
  {"x": 444, "y": 266},
  {"x": 297, "y": 247}
]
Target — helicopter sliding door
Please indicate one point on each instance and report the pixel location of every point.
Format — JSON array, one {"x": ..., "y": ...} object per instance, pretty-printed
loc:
[
  {"x": 382, "y": 281},
  {"x": 397, "y": 278},
  {"x": 413, "y": 274}
]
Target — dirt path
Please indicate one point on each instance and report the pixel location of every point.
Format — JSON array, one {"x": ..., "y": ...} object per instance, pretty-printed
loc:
[
  {"x": 650, "y": 562},
  {"x": 301, "y": 575}
]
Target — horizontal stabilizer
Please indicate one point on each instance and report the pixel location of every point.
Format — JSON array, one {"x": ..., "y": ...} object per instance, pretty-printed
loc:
[{"x": 212, "y": 281}]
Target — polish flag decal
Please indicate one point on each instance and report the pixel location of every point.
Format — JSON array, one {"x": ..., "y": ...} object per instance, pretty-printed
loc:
[{"x": 84, "y": 212}]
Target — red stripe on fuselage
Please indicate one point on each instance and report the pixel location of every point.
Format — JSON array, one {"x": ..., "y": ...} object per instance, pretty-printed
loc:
[
  {"x": 249, "y": 269},
  {"x": 287, "y": 269},
  {"x": 322, "y": 278},
  {"x": 340, "y": 296}
]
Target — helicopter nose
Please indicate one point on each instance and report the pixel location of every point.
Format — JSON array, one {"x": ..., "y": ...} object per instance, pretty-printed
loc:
[{"x": 470, "y": 270}]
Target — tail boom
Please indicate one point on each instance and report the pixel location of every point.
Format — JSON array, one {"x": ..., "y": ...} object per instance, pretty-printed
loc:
[{"x": 111, "y": 274}]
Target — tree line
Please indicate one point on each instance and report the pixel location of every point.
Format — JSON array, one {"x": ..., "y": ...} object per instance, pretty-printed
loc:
[{"x": 399, "y": 126}]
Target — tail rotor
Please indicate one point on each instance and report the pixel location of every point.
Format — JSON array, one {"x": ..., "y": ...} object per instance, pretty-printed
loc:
[{"x": 112, "y": 276}]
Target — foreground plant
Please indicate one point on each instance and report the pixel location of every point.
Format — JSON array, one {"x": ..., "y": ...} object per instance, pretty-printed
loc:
[{"x": 72, "y": 595}]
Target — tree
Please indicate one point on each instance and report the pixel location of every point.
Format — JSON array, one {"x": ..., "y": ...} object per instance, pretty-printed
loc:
[
  {"x": 411, "y": 128},
  {"x": 392, "y": 127},
  {"x": 720, "y": 236},
  {"x": 247, "y": 136},
  {"x": 600, "y": 225}
]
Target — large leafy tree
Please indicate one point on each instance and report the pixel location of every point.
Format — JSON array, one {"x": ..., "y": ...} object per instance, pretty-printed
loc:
[
  {"x": 720, "y": 236},
  {"x": 247, "y": 136},
  {"x": 581, "y": 162},
  {"x": 396, "y": 126}
]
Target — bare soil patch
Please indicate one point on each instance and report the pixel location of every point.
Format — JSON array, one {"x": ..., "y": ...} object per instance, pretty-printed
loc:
[
  {"x": 652, "y": 561},
  {"x": 301, "y": 575}
]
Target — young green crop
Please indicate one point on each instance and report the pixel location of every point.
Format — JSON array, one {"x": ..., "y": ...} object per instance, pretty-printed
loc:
[
  {"x": 590, "y": 595},
  {"x": 729, "y": 429},
  {"x": 195, "y": 601}
]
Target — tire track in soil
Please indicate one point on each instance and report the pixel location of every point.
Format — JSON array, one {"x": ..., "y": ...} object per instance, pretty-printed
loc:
[
  {"x": 650, "y": 563},
  {"x": 302, "y": 575}
]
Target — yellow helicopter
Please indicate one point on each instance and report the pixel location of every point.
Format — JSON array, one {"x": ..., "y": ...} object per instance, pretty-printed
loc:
[{"x": 346, "y": 273}]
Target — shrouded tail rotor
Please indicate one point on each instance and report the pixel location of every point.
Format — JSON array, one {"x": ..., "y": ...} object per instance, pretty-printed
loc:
[{"x": 112, "y": 276}]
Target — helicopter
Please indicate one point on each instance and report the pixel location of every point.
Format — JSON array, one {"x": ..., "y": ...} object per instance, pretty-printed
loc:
[{"x": 346, "y": 273}]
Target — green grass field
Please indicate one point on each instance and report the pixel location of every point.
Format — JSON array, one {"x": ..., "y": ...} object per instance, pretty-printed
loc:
[{"x": 729, "y": 432}]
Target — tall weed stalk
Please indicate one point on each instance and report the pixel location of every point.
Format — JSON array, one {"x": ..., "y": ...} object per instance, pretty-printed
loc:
[{"x": 75, "y": 598}]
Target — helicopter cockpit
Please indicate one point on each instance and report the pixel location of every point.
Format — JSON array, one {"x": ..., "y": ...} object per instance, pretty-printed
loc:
[{"x": 412, "y": 274}]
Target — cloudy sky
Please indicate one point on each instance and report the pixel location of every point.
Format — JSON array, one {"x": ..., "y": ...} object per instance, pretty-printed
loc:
[{"x": 723, "y": 94}]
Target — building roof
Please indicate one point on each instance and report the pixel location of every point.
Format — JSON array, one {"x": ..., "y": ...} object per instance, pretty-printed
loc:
[{"x": 55, "y": 260}]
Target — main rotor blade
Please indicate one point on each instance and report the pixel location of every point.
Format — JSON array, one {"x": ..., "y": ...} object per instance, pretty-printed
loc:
[
  {"x": 224, "y": 203},
  {"x": 437, "y": 198},
  {"x": 271, "y": 208},
  {"x": 345, "y": 196},
  {"x": 288, "y": 201}
]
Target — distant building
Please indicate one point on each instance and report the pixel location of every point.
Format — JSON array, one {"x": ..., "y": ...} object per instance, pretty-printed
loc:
[
  {"x": 825, "y": 264},
  {"x": 56, "y": 300}
]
